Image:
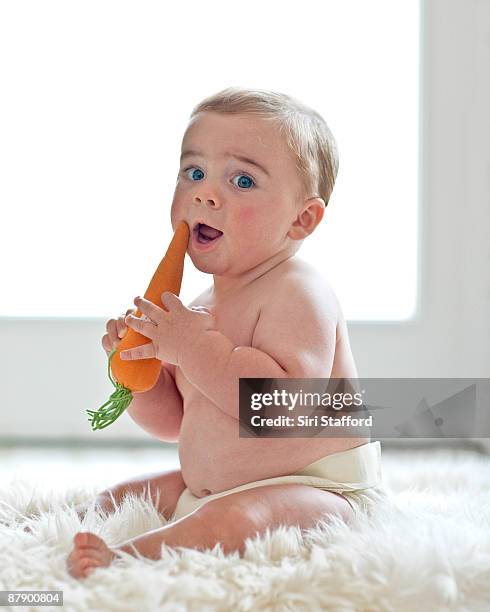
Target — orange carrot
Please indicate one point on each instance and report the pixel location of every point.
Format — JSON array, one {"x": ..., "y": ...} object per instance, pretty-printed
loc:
[{"x": 142, "y": 374}]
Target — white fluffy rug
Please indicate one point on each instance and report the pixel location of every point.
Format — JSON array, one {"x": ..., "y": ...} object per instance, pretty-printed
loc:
[{"x": 428, "y": 548}]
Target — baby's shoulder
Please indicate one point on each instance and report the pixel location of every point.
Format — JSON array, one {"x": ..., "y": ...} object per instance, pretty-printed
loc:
[{"x": 303, "y": 281}]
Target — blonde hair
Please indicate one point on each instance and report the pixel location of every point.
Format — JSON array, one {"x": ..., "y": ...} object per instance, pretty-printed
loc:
[{"x": 307, "y": 134}]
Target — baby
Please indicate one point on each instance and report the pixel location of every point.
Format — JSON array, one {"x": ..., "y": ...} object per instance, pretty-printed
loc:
[{"x": 257, "y": 169}]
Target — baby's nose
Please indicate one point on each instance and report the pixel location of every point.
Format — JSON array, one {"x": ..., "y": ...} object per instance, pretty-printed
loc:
[{"x": 211, "y": 201}]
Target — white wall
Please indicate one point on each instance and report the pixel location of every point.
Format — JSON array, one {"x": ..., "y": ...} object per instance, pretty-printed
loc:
[{"x": 450, "y": 335}]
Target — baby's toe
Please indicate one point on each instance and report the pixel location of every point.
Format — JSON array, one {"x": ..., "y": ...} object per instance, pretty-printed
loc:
[
  {"x": 80, "y": 570},
  {"x": 80, "y": 564},
  {"x": 87, "y": 566},
  {"x": 86, "y": 538},
  {"x": 84, "y": 554},
  {"x": 76, "y": 567}
]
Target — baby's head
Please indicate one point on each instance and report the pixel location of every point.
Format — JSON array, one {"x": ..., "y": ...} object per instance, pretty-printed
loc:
[{"x": 258, "y": 165}]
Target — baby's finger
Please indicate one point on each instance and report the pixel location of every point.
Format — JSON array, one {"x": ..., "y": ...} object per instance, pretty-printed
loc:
[
  {"x": 111, "y": 329},
  {"x": 144, "y": 351},
  {"x": 113, "y": 333},
  {"x": 121, "y": 327},
  {"x": 106, "y": 344}
]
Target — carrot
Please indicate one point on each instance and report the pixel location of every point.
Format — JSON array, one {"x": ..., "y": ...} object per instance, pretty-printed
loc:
[{"x": 142, "y": 374}]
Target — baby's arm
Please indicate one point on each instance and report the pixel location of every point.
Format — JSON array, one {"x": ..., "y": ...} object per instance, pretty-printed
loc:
[
  {"x": 295, "y": 337},
  {"x": 159, "y": 411}
]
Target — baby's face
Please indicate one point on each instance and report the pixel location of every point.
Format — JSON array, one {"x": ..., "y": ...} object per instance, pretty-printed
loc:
[{"x": 253, "y": 205}]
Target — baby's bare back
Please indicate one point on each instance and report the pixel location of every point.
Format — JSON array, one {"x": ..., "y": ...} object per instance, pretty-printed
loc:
[{"x": 212, "y": 455}]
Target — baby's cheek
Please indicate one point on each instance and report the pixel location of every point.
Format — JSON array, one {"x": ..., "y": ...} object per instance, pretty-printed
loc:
[
  {"x": 254, "y": 226},
  {"x": 251, "y": 224},
  {"x": 247, "y": 216}
]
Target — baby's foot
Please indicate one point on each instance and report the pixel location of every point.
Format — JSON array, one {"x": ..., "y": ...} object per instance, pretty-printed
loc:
[{"x": 89, "y": 552}]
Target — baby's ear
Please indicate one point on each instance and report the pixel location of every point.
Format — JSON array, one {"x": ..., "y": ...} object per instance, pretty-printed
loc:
[{"x": 310, "y": 216}]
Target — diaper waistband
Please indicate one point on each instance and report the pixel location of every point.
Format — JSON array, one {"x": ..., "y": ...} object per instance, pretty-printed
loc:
[{"x": 355, "y": 468}]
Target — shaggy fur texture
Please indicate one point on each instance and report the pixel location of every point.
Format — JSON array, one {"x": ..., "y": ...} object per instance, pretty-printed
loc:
[{"x": 427, "y": 548}]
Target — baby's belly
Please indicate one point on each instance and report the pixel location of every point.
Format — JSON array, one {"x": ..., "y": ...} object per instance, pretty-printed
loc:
[{"x": 214, "y": 458}]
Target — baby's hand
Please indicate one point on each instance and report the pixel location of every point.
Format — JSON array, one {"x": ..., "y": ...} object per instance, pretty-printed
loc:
[
  {"x": 168, "y": 330},
  {"x": 116, "y": 330}
]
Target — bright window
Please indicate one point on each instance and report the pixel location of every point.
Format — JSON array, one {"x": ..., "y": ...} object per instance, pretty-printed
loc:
[{"x": 95, "y": 99}]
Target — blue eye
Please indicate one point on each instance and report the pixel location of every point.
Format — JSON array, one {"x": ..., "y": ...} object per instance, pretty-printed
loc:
[
  {"x": 244, "y": 181},
  {"x": 200, "y": 173},
  {"x": 195, "y": 174}
]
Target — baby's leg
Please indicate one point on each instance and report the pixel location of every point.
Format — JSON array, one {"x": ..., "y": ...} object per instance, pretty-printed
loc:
[
  {"x": 227, "y": 520},
  {"x": 165, "y": 489},
  {"x": 233, "y": 518}
]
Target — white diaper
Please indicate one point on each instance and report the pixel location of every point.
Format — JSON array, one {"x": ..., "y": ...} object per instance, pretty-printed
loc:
[{"x": 354, "y": 473}]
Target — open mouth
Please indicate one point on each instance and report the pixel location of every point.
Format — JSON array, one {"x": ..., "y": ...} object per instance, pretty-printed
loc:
[{"x": 205, "y": 233}]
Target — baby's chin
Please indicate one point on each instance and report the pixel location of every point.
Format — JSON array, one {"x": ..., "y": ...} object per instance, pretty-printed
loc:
[
  {"x": 203, "y": 267},
  {"x": 208, "y": 267},
  {"x": 219, "y": 266}
]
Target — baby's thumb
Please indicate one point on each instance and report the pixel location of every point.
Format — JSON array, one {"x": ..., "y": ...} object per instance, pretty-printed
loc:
[{"x": 122, "y": 333}]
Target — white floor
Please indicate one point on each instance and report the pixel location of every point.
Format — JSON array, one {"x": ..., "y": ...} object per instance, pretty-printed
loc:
[
  {"x": 428, "y": 549},
  {"x": 60, "y": 468}
]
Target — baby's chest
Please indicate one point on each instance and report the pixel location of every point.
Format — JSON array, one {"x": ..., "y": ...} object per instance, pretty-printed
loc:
[{"x": 237, "y": 321}]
